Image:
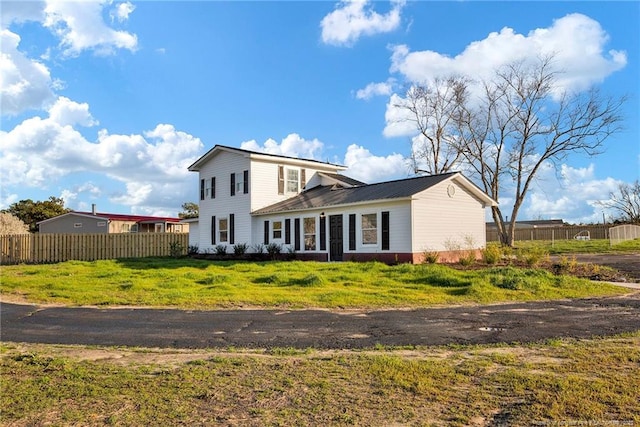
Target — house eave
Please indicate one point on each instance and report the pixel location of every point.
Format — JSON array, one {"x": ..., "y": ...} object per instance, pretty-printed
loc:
[{"x": 336, "y": 206}]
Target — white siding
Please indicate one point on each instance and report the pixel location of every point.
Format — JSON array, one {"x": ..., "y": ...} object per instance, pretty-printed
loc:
[
  {"x": 441, "y": 221},
  {"x": 264, "y": 185},
  {"x": 221, "y": 167},
  {"x": 399, "y": 227},
  {"x": 263, "y": 191}
]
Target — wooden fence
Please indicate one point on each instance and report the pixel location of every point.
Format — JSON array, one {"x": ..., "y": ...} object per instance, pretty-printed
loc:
[
  {"x": 566, "y": 232},
  {"x": 44, "y": 248}
]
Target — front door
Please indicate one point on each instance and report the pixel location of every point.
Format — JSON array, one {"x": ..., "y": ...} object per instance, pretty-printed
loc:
[{"x": 335, "y": 238}]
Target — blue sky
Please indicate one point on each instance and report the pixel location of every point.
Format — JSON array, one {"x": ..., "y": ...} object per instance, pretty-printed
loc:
[{"x": 109, "y": 102}]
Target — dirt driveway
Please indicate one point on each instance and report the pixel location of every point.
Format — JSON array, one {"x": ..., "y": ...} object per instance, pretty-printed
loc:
[{"x": 628, "y": 263}]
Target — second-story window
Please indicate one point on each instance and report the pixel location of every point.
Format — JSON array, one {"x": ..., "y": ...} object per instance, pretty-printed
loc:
[
  {"x": 239, "y": 183},
  {"x": 207, "y": 188},
  {"x": 293, "y": 180}
]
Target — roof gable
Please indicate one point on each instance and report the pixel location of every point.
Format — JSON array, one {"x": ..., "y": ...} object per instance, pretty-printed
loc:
[{"x": 197, "y": 165}]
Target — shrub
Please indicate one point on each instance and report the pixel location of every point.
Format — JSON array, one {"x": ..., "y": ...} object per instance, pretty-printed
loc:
[
  {"x": 273, "y": 249},
  {"x": 193, "y": 249},
  {"x": 430, "y": 257},
  {"x": 467, "y": 258},
  {"x": 176, "y": 249},
  {"x": 491, "y": 254},
  {"x": 221, "y": 249},
  {"x": 532, "y": 256},
  {"x": 258, "y": 248},
  {"x": 240, "y": 249}
]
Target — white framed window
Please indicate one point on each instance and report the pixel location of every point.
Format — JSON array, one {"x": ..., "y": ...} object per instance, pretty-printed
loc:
[
  {"x": 239, "y": 183},
  {"x": 277, "y": 229},
  {"x": 159, "y": 228},
  {"x": 309, "y": 225},
  {"x": 223, "y": 230},
  {"x": 77, "y": 225},
  {"x": 293, "y": 180},
  {"x": 369, "y": 229},
  {"x": 207, "y": 188}
]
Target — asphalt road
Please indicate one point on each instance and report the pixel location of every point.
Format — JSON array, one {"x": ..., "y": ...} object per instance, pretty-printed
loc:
[{"x": 164, "y": 328}]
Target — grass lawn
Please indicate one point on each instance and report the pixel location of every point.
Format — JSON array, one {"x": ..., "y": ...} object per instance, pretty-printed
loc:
[
  {"x": 580, "y": 246},
  {"x": 202, "y": 284},
  {"x": 559, "y": 382}
]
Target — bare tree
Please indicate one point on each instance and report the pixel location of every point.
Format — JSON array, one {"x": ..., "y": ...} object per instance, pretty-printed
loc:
[
  {"x": 523, "y": 121},
  {"x": 434, "y": 109},
  {"x": 10, "y": 224},
  {"x": 626, "y": 201}
]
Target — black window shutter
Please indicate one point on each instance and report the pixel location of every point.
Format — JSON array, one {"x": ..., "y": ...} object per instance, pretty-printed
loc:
[
  {"x": 213, "y": 187},
  {"x": 352, "y": 232},
  {"x": 323, "y": 233},
  {"x": 266, "y": 232},
  {"x": 280, "y": 179},
  {"x": 213, "y": 230},
  {"x": 246, "y": 182},
  {"x": 287, "y": 231},
  {"x": 385, "y": 230},
  {"x": 233, "y": 184},
  {"x": 296, "y": 234},
  {"x": 202, "y": 189},
  {"x": 232, "y": 228}
]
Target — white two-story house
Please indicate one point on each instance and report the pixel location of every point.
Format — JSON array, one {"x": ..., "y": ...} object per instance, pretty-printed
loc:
[{"x": 307, "y": 206}]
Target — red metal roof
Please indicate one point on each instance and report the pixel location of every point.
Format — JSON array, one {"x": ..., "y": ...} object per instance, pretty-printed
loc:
[{"x": 127, "y": 217}]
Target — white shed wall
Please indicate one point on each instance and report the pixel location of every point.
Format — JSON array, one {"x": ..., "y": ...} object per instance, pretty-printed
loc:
[{"x": 441, "y": 222}]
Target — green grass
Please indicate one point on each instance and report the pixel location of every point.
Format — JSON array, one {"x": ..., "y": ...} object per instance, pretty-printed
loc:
[
  {"x": 585, "y": 382},
  {"x": 202, "y": 284},
  {"x": 580, "y": 246}
]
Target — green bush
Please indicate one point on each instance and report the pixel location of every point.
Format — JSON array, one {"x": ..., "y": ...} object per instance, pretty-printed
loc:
[
  {"x": 532, "y": 256},
  {"x": 240, "y": 248},
  {"x": 221, "y": 249},
  {"x": 430, "y": 257},
  {"x": 491, "y": 254}
]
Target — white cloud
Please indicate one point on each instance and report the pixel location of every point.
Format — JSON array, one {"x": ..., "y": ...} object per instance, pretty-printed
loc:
[
  {"x": 376, "y": 89},
  {"x": 355, "y": 18},
  {"x": 293, "y": 145},
  {"x": 576, "y": 41},
  {"x": 571, "y": 194},
  {"x": 21, "y": 11},
  {"x": 152, "y": 166},
  {"x": 66, "y": 112},
  {"x": 122, "y": 11},
  {"x": 80, "y": 26},
  {"x": 24, "y": 83},
  {"x": 366, "y": 167},
  {"x": 398, "y": 119}
]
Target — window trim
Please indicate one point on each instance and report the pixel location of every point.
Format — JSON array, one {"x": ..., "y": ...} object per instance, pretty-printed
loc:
[
  {"x": 305, "y": 234},
  {"x": 275, "y": 230},
  {"x": 223, "y": 230},
  {"x": 289, "y": 181},
  {"x": 363, "y": 229}
]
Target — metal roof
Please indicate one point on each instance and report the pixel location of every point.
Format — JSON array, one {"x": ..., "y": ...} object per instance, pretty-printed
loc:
[
  {"x": 323, "y": 196},
  {"x": 206, "y": 156}
]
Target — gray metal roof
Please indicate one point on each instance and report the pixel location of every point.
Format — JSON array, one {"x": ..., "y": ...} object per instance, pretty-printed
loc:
[
  {"x": 323, "y": 196},
  {"x": 342, "y": 178}
]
